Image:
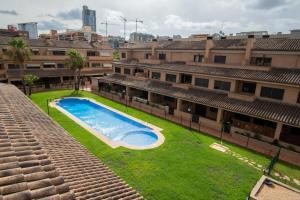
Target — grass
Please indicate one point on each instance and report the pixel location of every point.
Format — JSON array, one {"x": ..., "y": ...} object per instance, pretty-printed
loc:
[{"x": 184, "y": 167}]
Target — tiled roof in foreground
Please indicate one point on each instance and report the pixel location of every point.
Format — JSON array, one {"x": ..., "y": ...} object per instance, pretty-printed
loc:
[
  {"x": 275, "y": 75},
  {"x": 270, "y": 110},
  {"x": 40, "y": 160}
]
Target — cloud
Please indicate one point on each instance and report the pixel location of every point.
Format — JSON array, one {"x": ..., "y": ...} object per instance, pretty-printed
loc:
[
  {"x": 112, "y": 16},
  {"x": 174, "y": 21},
  {"x": 52, "y": 24},
  {"x": 70, "y": 15},
  {"x": 268, "y": 4},
  {"x": 8, "y": 12}
]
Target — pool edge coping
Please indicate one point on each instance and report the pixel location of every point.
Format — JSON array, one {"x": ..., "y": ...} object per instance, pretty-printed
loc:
[{"x": 113, "y": 144}]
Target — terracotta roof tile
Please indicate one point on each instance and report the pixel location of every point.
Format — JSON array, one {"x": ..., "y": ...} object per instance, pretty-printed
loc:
[
  {"x": 270, "y": 110},
  {"x": 277, "y": 75},
  {"x": 39, "y": 160},
  {"x": 277, "y": 44}
]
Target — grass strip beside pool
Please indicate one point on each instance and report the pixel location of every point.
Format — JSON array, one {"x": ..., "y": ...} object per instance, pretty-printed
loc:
[{"x": 184, "y": 167}]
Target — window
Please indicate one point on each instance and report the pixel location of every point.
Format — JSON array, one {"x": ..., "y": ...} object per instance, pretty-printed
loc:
[
  {"x": 35, "y": 51},
  {"x": 33, "y": 66},
  {"x": 1, "y": 66},
  {"x": 127, "y": 71},
  {"x": 59, "y": 53},
  {"x": 201, "y": 82},
  {"x": 49, "y": 65},
  {"x": 123, "y": 55},
  {"x": 148, "y": 55},
  {"x": 171, "y": 78},
  {"x": 248, "y": 87},
  {"x": 13, "y": 66},
  {"x": 162, "y": 56},
  {"x": 96, "y": 65},
  {"x": 261, "y": 61},
  {"x": 186, "y": 78},
  {"x": 298, "y": 100},
  {"x": 220, "y": 59},
  {"x": 222, "y": 85},
  {"x": 273, "y": 93},
  {"x": 155, "y": 75},
  {"x": 60, "y": 65},
  {"x": 263, "y": 122},
  {"x": 117, "y": 70},
  {"x": 241, "y": 117},
  {"x": 212, "y": 109},
  {"x": 91, "y": 53},
  {"x": 198, "y": 58}
]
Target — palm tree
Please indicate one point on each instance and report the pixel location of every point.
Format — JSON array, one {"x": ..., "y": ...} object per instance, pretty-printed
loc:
[
  {"x": 19, "y": 52},
  {"x": 76, "y": 62},
  {"x": 30, "y": 80}
]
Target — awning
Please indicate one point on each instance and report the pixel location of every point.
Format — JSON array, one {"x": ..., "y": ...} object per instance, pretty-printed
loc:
[
  {"x": 57, "y": 49},
  {"x": 49, "y": 63},
  {"x": 33, "y": 65}
]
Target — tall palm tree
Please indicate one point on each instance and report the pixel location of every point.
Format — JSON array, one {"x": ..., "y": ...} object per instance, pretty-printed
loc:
[
  {"x": 19, "y": 52},
  {"x": 29, "y": 80},
  {"x": 76, "y": 62}
]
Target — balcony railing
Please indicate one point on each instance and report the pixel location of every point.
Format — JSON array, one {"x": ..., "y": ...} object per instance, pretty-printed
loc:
[
  {"x": 151, "y": 61},
  {"x": 55, "y": 72},
  {"x": 262, "y": 130}
]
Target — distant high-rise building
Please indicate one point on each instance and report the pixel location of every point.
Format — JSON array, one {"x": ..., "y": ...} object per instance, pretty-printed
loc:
[
  {"x": 12, "y": 31},
  {"x": 89, "y": 18},
  {"x": 140, "y": 37},
  {"x": 31, "y": 28}
]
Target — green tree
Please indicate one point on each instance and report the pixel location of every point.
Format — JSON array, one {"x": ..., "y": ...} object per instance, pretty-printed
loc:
[
  {"x": 76, "y": 62},
  {"x": 116, "y": 55},
  {"x": 19, "y": 52},
  {"x": 29, "y": 80}
]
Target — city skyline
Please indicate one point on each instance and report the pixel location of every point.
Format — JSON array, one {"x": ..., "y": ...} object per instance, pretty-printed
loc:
[{"x": 183, "y": 17}]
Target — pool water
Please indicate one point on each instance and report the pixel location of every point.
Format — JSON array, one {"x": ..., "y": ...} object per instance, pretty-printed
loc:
[{"x": 112, "y": 125}]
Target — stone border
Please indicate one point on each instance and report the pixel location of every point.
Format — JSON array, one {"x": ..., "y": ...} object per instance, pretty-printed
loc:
[
  {"x": 260, "y": 183},
  {"x": 113, "y": 144}
]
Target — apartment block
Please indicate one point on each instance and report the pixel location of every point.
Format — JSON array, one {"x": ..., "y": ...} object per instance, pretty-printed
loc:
[
  {"x": 48, "y": 61},
  {"x": 235, "y": 87}
]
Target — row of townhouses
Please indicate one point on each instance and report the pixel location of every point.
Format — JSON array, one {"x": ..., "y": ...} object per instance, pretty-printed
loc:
[
  {"x": 48, "y": 61},
  {"x": 244, "y": 86}
]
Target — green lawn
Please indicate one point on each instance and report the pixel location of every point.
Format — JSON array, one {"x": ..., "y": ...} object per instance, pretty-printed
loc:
[{"x": 184, "y": 167}]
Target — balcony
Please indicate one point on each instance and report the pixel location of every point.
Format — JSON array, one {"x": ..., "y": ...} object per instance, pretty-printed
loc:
[
  {"x": 254, "y": 128},
  {"x": 141, "y": 75},
  {"x": 54, "y": 72},
  {"x": 151, "y": 61},
  {"x": 99, "y": 58},
  {"x": 48, "y": 57}
]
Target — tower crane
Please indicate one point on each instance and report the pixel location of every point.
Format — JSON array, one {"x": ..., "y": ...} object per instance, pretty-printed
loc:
[
  {"x": 124, "y": 21},
  {"x": 106, "y": 26}
]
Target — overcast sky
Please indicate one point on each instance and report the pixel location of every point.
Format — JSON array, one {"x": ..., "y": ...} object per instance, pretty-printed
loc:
[{"x": 161, "y": 17}]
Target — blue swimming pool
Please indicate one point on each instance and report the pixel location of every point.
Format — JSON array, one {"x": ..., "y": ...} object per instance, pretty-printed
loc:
[{"x": 114, "y": 126}]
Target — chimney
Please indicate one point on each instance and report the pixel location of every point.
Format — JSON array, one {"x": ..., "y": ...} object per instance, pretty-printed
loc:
[
  {"x": 208, "y": 46},
  {"x": 154, "y": 45},
  {"x": 249, "y": 46}
]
